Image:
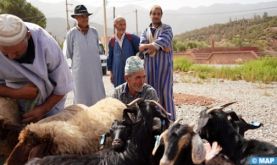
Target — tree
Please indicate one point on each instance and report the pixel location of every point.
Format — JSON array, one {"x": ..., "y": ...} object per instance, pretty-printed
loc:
[{"x": 24, "y": 10}]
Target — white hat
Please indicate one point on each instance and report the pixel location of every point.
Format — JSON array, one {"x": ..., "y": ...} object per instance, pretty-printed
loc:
[
  {"x": 12, "y": 30},
  {"x": 133, "y": 64}
]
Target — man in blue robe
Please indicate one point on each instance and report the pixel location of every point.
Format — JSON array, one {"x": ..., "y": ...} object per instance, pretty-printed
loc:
[
  {"x": 33, "y": 68},
  {"x": 121, "y": 46},
  {"x": 156, "y": 42}
]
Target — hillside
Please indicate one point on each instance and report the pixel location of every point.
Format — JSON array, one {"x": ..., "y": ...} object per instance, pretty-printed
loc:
[
  {"x": 258, "y": 31},
  {"x": 181, "y": 20},
  {"x": 60, "y": 32}
]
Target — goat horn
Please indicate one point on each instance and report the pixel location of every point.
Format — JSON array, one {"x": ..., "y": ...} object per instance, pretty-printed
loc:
[
  {"x": 177, "y": 121},
  {"x": 134, "y": 102},
  {"x": 160, "y": 106},
  {"x": 220, "y": 107}
]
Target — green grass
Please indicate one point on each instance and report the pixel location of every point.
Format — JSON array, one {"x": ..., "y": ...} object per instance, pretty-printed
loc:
[
  {"x": 182, "y": 64},
  {"x": 262, "y": 70}
]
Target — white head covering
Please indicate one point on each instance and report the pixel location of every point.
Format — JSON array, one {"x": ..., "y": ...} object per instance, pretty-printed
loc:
[
  {"x": 133, "y": 64},
  {"x": 12, "y": 30}
]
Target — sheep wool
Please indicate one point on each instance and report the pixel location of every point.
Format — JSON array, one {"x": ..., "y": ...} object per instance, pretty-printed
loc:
[
  {"x": 79, "y": 134},
  {"x": 9, "y": 113}
]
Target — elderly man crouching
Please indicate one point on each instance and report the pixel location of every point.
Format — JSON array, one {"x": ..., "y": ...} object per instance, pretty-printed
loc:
[{"x": 135, "y": 86}]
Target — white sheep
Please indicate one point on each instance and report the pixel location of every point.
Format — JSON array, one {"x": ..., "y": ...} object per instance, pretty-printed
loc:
[{"x": 78, "y": 135}]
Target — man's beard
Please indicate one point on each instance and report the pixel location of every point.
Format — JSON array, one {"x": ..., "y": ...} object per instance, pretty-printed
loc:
[{"x": 139, "y": 89}]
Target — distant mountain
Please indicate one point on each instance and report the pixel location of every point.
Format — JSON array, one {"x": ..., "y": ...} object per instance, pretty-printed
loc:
[
  {"x": 260, "y": 31},
  {"x": 57, "y": 27},
  {"x": 181, "y": 20}
]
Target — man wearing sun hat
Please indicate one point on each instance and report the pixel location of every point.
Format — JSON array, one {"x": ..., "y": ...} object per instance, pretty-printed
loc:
[
  {"x": 135, "y": 86},
  {"x": 83, "y": 49},
  {"x": 33, "y": 69}
]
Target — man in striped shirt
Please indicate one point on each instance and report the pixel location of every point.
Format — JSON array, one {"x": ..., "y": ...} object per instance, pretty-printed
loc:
[{"x": 156, "y": 43}]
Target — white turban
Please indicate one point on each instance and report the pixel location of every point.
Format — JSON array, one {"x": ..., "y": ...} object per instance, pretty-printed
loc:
[
  {"x": 12, "y": 30},
  {"x": 133, "y": 64}
]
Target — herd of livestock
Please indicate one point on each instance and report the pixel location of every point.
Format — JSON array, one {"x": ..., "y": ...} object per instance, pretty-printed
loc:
[{"x": 140, "y": 133}]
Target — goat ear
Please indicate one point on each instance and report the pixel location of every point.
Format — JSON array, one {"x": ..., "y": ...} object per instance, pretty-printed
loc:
[
  {"x": 126, "y": 117},
  {"x": 159, "y": 144},
  {"x": 202, "y": 122},
  {"x": 198, "y": 150}
]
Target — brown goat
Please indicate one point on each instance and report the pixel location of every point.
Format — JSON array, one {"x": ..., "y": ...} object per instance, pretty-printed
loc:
[{"x": 183, "y": 146}]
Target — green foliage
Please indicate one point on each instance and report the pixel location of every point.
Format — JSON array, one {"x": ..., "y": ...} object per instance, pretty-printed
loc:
[
  {"x": 24, "y": 10},
  {"x": 264, "y": 70},
  {"x": 179, "y": 45},
  {"x": 182, "y": 64},
  {"x": 244, "y": 32}
]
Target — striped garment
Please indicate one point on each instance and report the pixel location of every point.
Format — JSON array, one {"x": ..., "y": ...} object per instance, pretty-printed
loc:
[{"x": 159, "y": 68}]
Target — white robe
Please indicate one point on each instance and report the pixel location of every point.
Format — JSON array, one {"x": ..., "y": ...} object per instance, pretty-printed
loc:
[
  {"x": 83, "y": 49},
  {"x": 49, "y": 71}
]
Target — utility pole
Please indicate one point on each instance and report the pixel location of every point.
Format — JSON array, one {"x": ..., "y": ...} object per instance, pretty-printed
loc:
[
  {"x": 113, "y": 19},
  {"x": 105, "y": 25},
  {"x": 67, "y": 20},
  {"x": 136, "y": 11}
]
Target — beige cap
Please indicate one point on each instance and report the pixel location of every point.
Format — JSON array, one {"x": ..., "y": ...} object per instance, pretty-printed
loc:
[{"x": 12, "y": 30}]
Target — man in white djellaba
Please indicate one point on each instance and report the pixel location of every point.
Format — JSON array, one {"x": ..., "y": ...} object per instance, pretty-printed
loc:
[
  {"x": 83, "y": 48},
  {"x": 33, "y": 70}
]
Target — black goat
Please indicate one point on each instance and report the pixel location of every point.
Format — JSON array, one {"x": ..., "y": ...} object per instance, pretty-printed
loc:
[
  {"x": 238, "y": 123},
  {"x": 138, "y": 148},
  {"x": 214, "y": 125}
]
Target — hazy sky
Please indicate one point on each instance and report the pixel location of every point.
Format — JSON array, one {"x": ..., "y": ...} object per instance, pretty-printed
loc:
[{"x": 166, "y": 4}]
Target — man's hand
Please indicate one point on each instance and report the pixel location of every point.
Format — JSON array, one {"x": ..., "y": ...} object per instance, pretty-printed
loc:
[
  {"x": 150, "y": 48},
  {"x": 142, "y": 47},
  {"x": 167, "y": 50},
  {"x": 40, "y": 111},
  {"x": 28, "y": 92},
  {"x": 211, "y": 151},
  {"x": 36, "y": 114}
]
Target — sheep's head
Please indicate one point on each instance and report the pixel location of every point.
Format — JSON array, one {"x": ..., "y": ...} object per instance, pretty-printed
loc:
[
  {"x": 181, "y": 138},
  {"x": 30, "y": 146},
  {"x": 120, "y": 132}
]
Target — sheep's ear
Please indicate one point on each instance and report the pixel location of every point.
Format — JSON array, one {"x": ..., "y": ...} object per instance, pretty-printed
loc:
[
  {"x": 41, "y": 150},
  {"x": 198, "y": 150}
]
